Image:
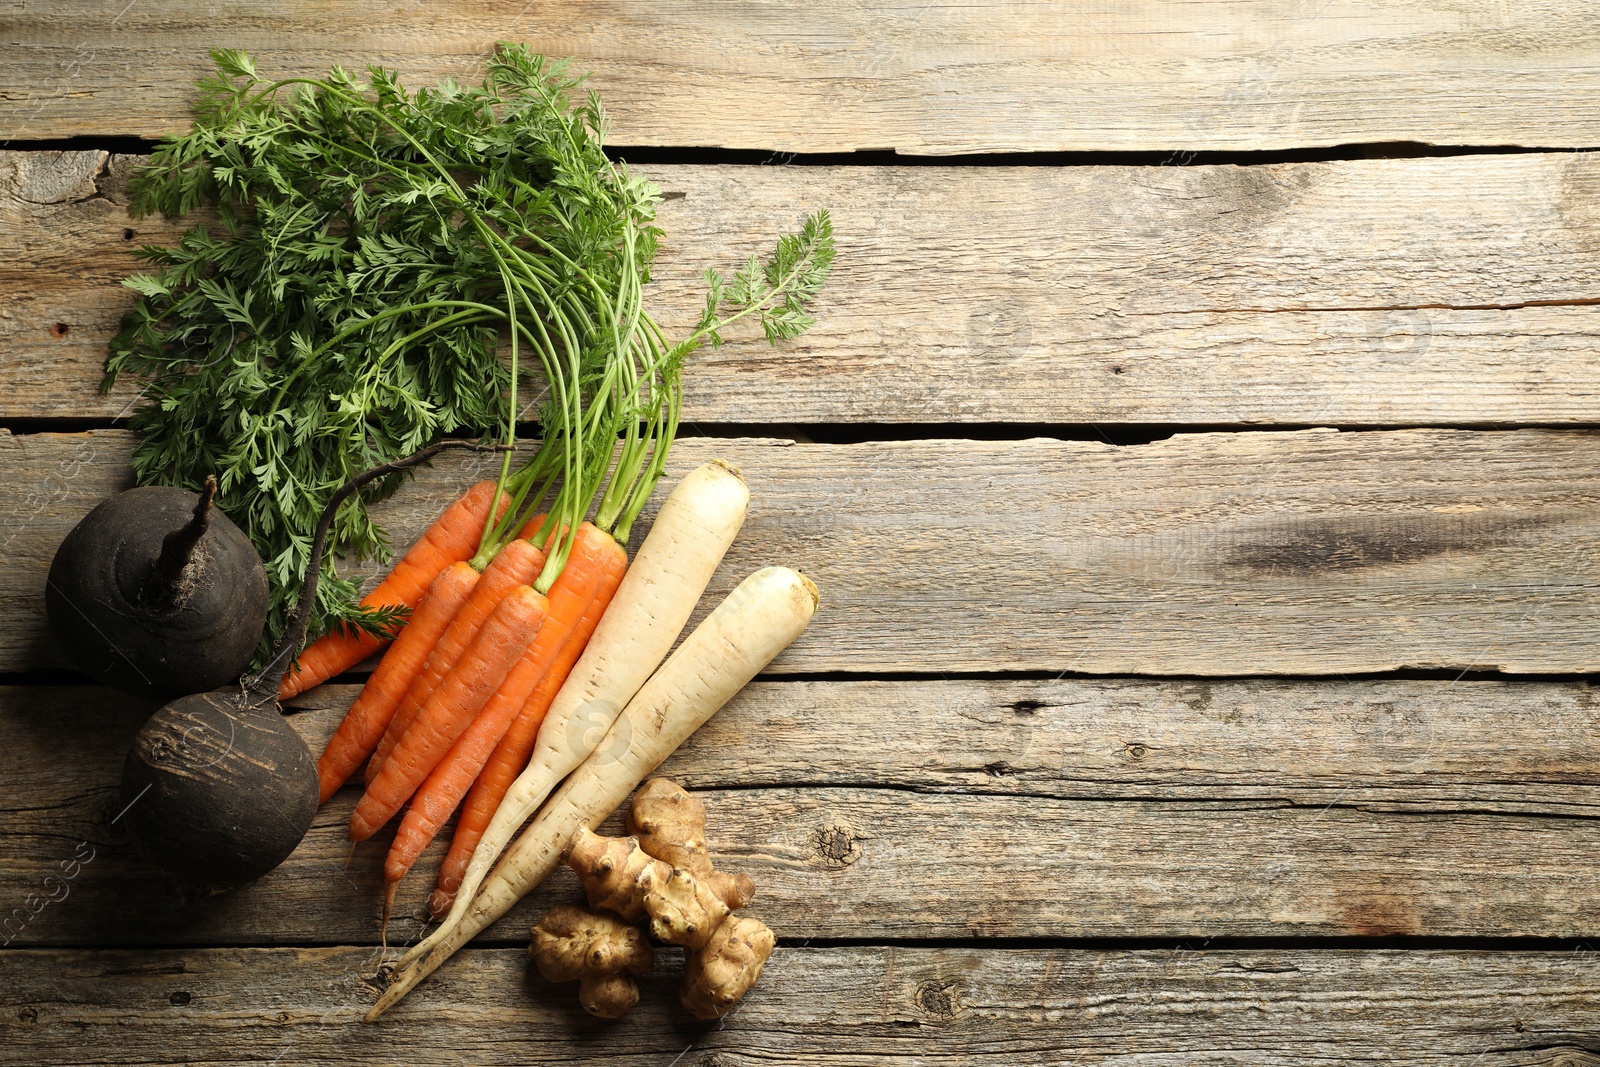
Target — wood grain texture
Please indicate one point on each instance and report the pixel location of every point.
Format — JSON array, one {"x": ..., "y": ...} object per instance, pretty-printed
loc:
[
  {"x": 832, "y": 1005},
  {"x": 1312, "y": 552},
  {"x": 1082, "y": 808},
  {"x": 1378, "y": 292},
  {"x": 908, "y": 75}
]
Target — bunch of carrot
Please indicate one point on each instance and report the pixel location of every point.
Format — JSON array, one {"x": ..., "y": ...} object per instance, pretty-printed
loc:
[{"x": 455, "y": 703}]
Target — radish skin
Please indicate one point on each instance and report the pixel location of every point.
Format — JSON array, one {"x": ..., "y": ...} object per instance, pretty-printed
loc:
[
  {"x": 696, "y": 524},
  {"x": 758, "y": 620}
]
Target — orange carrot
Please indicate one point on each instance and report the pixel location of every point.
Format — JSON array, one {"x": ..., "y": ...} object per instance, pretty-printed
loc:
[
  {"x": 580, "y": 594},
  {"x": 452, "y": 538},
  {"x": 451, "y": 708},
  {"x": 518, "y": 563},
  {"x": 573, "y": 591},
  {"x": 369, "y": 716}
]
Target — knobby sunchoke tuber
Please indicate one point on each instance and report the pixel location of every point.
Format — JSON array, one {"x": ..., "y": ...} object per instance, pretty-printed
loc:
[
  {"x": 616, "y": 873},
  {"x": 716, "y": 976},
  {"x": 664, "y": 873},
  {"x": 603, "y": 954},
  {"x": 670, "y": 823}
]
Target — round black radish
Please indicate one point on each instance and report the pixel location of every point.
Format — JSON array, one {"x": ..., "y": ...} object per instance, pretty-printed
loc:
[
  {"x": 157, "y": 593},
  {"x": 218, "y": 787},
  {"x": 221, "y": 790}
]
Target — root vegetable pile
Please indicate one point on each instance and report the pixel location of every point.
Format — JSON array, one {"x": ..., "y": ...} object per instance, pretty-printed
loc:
[
  {"x": 387, "y": 267},
  {"x": 662, "y": 874}
]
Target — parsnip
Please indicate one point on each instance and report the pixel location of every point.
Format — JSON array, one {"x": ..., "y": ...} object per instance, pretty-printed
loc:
[
  {"x": 696, "y": 524},
  {"x": 758, "y": 620}
]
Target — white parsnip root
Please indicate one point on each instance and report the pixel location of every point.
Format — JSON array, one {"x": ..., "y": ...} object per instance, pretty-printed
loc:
[
  {"x": 758, "y": 620},
  {"x": 697, "y": 522}
]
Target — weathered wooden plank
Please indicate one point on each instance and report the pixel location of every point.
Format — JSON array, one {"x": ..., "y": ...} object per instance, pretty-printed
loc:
[
  {"x": 1368, "y": 293},
  {"x": 833, "y": 1005},
  {"x": 908, "y": 75},
  {"x": 1313, "y": 552},
  {"x": 1113, "y": 809},
  {"x": 1378, "y": 744}
]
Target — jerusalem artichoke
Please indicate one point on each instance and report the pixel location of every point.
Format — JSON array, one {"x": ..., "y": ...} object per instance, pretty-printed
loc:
[
  {"x": 601, "y": 953},
  {"x": 716, "y": 976},
  {"x": 670, "y": 823},
  {"x": 687, "y": 902},
  {"x": 620, "y": 878},
  {"x": 615, "y": 872}
]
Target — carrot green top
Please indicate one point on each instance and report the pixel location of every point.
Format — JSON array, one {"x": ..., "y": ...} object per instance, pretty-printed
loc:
[{"x": 374, "y": 250}]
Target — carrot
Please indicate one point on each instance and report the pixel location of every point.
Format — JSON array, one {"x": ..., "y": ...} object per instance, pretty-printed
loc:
[
  {"x": 758, "y": 620},
  {"x": 569, "y": 596},
  {"x": 586, "y": 585},
  {"x": 451, "y": 708},
  {"x": 369, "y": 716},
  {"x": 515, "y": 564},
  {"x": 447, "y": 783},
  {"x": 452, "y": 538},
  {"x": 694, "y": 528}
]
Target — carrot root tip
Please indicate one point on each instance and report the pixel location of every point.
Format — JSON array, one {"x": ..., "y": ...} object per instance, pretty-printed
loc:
[{"x": 388, "y": 909}]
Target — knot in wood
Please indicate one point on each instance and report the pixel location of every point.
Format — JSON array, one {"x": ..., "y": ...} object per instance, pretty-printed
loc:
[
  {"x": 379, "y": 981},
  {"x": 29, "y": 1014},
  {"x": 937, "y": 1000},
  {"x": 179, "y": 999},
  {"x": 837, "y": 846}
]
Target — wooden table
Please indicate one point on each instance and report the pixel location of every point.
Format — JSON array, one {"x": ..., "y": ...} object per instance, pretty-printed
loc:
[{"x": 1207, "y": 517}]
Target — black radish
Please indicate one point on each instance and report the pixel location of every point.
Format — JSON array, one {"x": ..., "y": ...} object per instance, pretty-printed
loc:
[
  {"x": 219, "y": 788},
  {"x": 157, "y": 593}
]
